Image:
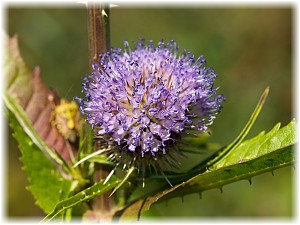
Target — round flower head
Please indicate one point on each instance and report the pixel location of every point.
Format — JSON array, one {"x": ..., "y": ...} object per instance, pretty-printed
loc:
[{"x": 141, "y": 101}]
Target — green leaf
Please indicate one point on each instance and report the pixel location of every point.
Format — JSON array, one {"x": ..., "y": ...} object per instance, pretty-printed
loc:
[
  {"x": 215, "y": 179},
  {"x": 244, "y": 162},
  {"x": 82, "y": 196},
  {"x": 129, "y": 172},
  {"x": 239, "y": 160},
  {"x": 22, "y": 119},
  {"x": 206, "y": 160},
  {"x": 46, "y": 183},
  {"x": 261, "y": 144},
  {"x": 263, "y": 153},
  {"x": 101, "y": 159},
  {"x": 89, "y": 157},
  {"x": 244, "y": 132}
]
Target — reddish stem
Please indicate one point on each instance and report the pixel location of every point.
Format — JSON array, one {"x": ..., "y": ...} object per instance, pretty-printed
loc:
[
  {"x": 99, "y": 43},
  {"x": 98, "y": 30}
]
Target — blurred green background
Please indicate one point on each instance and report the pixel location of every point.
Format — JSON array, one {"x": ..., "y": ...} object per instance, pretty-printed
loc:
[{"x": 250, "y": 47}]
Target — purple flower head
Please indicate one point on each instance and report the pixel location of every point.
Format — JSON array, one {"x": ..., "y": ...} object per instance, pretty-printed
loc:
[{"x": 143, "y": 100}]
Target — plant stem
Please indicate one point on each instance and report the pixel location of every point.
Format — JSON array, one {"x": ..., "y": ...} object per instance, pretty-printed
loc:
[
  {"x": 98, "y": 30},
  {"x": 99, "y": 42}
]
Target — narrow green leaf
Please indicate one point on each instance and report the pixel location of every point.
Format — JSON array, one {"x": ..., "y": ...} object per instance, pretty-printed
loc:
[
  {"x": 129, "y": 172},
  {"x": 244, "y": 132},
  {"x": 83, "y": 196},
  {"x": 46, "y": 183},
  {"x": 101, "y": 159},
  {"x": 89, "y": 157}
]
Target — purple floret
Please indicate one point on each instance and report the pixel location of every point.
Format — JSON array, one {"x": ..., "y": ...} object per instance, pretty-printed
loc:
[{"x": 144, "y": 99}]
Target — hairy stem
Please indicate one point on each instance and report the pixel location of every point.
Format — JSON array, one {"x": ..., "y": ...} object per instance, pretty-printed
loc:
[
  {"x": 99, "y": 42},
  {"x": 98, "y": 30}
]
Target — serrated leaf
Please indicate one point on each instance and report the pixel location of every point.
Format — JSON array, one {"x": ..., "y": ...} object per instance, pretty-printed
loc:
[
  {"x": 19, "y": 114},
  {"x": 215, "y": 179},
  {"x": 266, "y": 158},
  {"x": 261, "y": 144},
  {"x": 263, "y": 153},
  {"x": 208, "y": 159},
  {"x": 46, "y": 183},
  {"x": 31, "y": 93},
  {"x": 82, "y": 196}
]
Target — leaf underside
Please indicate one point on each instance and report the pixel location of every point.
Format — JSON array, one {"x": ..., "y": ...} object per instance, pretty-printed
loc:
[
  {"x": 29, "y": 105},
  {"x": 37, "y": 100}
]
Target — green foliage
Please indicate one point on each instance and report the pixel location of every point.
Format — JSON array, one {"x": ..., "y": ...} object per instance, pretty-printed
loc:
[
  {"x": 57, "y": 187},
  {"x": 263, "y": 153},
  {"x": 260, "y": 145},
  {"x": 47, "y": 184},
  {"x": 82, "y": 196},
  {"x": 22, "y": 119},
  {"x": 208, "y": 159},
  {"x": 100, "y": 159},
  {"x": 241, "y": 36},
  {"x": 242, "y": 165},
  {"x": 230, "y": 148}
]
